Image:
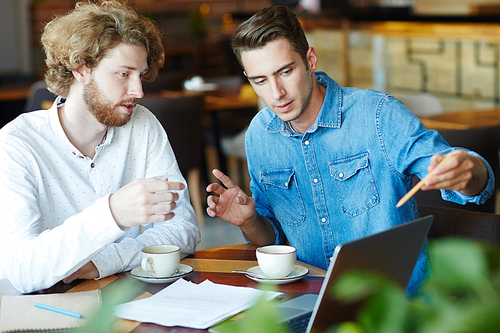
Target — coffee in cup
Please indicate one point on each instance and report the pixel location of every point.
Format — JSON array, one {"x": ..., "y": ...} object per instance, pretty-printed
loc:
[
  {"x": 161, "y": 260},
  {"x": 276, "y": 261}
]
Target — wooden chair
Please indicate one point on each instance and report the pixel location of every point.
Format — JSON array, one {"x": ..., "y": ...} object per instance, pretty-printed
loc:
[
  {"x": 181, "y": 118},
  {"x": 462, "y": 223}
]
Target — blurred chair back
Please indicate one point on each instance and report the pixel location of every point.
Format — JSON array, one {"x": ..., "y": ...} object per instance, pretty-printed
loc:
[
  {"x": 423, "y": 104},
  {"x": 181, "y": 119},
  {"x": 486, "y": 142},
  {"x": 451, "y": 222},
  {"x": 39, "y": 98}
]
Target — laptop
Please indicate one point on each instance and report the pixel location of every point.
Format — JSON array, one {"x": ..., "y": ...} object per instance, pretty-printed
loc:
[{"x": 393, "y": 253}]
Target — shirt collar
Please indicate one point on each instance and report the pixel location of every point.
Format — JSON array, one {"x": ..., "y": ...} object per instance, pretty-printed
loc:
[
  {"x": 330, "y": 114},
  {"x": 55, "y": 122}
]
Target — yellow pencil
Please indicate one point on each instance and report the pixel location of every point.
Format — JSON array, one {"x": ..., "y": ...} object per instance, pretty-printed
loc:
[{"x": 420, "y": 184}]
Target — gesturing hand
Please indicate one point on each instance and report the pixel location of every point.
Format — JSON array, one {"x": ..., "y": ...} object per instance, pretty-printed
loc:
[
  {"x": 232, "y": 204},
  {"x": 144, "y": 201}
]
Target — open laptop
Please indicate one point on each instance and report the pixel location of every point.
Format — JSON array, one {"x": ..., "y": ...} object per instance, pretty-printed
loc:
[{"x": 392, "y": 252}]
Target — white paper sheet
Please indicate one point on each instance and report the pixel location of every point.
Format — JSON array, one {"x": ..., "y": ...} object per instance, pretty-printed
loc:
[{"x": 192, "y": 305}]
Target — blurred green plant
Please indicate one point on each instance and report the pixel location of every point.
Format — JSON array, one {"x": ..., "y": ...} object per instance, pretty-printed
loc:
[
  {"x": 119, "y": 292},
  {"x": 461, "y": 295},
  {"x": 197, "y": 24},
  {"x": 262, "y": 317}
]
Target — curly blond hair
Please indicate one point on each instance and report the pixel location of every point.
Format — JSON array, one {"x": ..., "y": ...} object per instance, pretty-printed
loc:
[{"x": 85, "y": 35}]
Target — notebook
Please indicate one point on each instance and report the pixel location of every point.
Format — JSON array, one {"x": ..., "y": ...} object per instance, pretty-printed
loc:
[
  {"x": 393, "y": 253},
  {"x": 19, "y": 313}
]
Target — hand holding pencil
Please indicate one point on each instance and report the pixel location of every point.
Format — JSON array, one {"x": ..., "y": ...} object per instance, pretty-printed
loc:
[
  {"x": 466, "y": 174},
  {"x": 420, "y": 184}
]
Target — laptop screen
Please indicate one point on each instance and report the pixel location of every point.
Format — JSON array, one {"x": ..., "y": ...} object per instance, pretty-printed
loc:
[{"x": 393, "y": 253}]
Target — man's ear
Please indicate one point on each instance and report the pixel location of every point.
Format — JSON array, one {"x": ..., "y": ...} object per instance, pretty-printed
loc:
[
  {"x": 81, "y": 74},
  {"x": 312, "y": 59}
]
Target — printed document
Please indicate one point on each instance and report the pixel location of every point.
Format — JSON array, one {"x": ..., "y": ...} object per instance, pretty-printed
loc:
[{"x": 192, "y": 305}]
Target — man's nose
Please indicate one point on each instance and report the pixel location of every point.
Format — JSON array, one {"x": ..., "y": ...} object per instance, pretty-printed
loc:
[
  {"x": 278, "y": 91},
  {"x": 135, "y": 88}
]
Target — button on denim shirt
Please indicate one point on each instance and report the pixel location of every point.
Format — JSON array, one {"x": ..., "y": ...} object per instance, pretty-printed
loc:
[{"x": 341, "y": 180}]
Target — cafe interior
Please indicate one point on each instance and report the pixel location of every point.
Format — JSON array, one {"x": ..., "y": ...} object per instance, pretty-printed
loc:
[{"x": 439, "y": 57}]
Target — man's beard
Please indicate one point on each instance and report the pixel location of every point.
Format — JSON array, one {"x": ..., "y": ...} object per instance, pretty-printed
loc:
[{"x": 104, "y": 111}]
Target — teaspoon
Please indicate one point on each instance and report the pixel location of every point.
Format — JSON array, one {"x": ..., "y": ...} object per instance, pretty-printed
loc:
[{"x": 257, "y": 275}]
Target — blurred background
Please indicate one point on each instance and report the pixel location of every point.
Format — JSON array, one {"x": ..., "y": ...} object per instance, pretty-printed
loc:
[
  {"x": 448, "y": 48},
  {"x": 439, "y": 57}
]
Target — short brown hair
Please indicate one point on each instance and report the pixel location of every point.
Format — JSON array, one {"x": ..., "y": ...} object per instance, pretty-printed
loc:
[
  {"x": 267, "y": 25},
  {"x": 85, "y": 35}
]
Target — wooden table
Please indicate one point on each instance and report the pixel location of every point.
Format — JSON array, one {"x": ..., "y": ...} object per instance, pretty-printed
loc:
[
  {"x": 213, "y": 264},
  {"x": 463, "y": 119},
  {"x": 14, "y": 91}
]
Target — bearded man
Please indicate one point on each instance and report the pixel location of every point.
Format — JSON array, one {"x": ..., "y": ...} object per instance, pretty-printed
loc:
[{"x": 78, "y": 180}]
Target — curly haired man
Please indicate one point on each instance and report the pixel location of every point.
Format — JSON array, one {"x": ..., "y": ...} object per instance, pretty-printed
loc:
[{"x": 78, "y": 180}]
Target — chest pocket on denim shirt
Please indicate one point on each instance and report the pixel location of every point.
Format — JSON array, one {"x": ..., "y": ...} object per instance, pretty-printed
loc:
[
  {"x": 283, "y": 193},
  {"x": 354, "y": 181}
]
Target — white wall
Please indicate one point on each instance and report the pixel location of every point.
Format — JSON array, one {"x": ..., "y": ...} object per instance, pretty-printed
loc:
[{"x": 15, "y": 44}]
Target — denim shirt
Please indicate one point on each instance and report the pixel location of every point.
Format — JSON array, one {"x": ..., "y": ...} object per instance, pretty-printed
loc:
[{"x": 341, "y": 180}]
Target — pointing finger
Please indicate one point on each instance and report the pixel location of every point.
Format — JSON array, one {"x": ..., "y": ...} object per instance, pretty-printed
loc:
[{"x": 228, "y": 183}]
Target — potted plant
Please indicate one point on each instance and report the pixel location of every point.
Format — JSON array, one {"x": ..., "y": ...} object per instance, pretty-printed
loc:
[{"x": 461, "y": 295}]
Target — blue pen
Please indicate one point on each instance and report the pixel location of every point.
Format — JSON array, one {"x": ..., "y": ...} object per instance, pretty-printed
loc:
[{"x": 51, "y": 308}]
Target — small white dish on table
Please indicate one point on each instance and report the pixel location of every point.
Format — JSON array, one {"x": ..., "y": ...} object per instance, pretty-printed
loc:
[
  {"x": 297, "y": 273},
  {"x": 145, "y": 276}
]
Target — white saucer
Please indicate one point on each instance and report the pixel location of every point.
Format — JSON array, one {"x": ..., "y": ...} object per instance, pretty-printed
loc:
[
  {"x": 145, "y": 276},
  {"x": 298, "y": 273}
]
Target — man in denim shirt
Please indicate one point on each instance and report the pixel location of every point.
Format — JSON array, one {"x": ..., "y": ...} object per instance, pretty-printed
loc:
[{"x": 328, "y": 164}]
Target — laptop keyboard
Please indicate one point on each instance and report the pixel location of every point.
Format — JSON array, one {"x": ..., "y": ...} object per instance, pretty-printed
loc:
[{"x": 298, "y": 324}]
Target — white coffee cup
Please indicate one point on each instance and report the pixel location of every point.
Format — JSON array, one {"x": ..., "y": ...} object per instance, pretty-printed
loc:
[
  {"x": 276, "y": 261},
  {"x": 161, "y": 260}
]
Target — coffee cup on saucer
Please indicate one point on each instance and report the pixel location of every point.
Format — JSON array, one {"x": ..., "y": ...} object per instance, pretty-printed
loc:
[
  {"x": 161, "y": 260},
  {"x": 276, "y": 261}
]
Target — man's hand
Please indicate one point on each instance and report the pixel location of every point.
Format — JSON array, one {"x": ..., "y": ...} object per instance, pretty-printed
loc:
[
  {"x": 144, "y": 201},
  {"x": 87, "y": 271},
  {"x": 232, "y": 204},
  {"x": 461, "y": 172}
]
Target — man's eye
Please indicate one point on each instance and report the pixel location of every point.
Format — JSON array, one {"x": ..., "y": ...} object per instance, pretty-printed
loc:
[
  {"x": 123, "y": 74},
  {"x": 259, "y": 82},
  {"x": 286, "y": 72}
]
